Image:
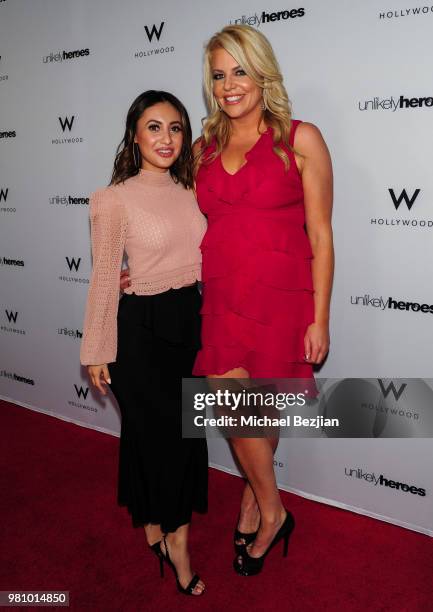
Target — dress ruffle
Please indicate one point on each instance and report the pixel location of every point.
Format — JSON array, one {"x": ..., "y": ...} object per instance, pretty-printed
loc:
[
  {"x": 258, "y": 291},
  {"x": 229, "y": 191}
]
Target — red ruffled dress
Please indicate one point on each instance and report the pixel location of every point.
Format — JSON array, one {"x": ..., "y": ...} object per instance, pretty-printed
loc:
[{"x": 258, "y": 290}]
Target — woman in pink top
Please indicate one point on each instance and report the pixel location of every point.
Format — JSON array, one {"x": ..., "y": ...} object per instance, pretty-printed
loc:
[
  {"x": 143, "y": 345},
  {"x": 265, "y": 183}
]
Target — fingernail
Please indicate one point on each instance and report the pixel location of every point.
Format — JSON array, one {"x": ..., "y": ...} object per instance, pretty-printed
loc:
[{"x": 109, "y": 381}]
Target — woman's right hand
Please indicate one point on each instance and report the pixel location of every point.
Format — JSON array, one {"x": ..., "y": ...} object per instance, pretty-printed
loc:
[
  {"x": 125, "y": 281},
  {"x": 99, "y": 376}
]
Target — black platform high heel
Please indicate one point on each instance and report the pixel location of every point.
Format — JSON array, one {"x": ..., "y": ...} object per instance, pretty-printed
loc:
[
  {"x": 247, "y": 537},
  {"x": 251, "y": 566},
  {"x": 188, "y": 590},
  {"x": 156, "y": 549}
]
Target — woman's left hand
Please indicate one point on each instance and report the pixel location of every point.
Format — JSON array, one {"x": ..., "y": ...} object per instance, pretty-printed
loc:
[{"x": 316, "y": 342}]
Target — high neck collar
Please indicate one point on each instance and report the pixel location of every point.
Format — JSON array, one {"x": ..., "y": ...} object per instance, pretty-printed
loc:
[{"x": 155, "y": 178}]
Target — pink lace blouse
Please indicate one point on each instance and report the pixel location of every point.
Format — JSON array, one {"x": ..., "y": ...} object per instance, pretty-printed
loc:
[{"x": 160, "y": 227}]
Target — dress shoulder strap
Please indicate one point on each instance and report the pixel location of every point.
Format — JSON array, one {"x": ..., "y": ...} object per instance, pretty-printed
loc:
[{"x": 295, "y": 123}]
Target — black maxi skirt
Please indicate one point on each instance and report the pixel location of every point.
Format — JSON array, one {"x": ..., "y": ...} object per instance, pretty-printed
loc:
[{"x": 162, "y": 477}]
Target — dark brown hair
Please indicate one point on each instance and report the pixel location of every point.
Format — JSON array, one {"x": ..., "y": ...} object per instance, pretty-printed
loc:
[{"x": 128, "y": 162}]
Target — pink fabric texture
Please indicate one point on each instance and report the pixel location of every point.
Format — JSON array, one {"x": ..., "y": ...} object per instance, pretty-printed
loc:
[
  {"x": 258, "y": 289},
  {"x": 158, "y": 224}
]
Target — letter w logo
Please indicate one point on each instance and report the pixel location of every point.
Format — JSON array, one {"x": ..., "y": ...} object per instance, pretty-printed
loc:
[
  {"x": 72, "y": 263},
  {"x": 391, "y": 387},
  {"x": 403, "y": 196},
  {"x": 154, "y": 31},
  {"x": 81, "y": 392},
  {"x": 12, "y": 316},
  {"x": 67, "y": 122},
  {"x": 4, "y": 194}
]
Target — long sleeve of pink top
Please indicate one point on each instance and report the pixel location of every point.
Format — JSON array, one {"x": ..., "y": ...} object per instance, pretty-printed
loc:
[{"x": 108, "y": 228}]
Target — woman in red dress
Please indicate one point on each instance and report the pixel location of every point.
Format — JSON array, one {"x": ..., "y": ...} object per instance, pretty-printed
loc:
[{"x": 264, "y": 181}]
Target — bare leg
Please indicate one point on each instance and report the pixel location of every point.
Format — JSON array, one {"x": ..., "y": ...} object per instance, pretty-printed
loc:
[
  {"x": 256, "y": 457},
  {"x": 153, "y": 533},
  {"x": 177, "y": 543},
  {"x": 249, "y": 516}
]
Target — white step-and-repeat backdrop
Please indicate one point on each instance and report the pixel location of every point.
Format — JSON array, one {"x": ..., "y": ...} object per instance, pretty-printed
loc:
[{"x": 360, "y": 71}]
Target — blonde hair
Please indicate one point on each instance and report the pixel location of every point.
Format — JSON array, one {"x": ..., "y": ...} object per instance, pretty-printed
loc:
[{"x": 254, "y": 53}]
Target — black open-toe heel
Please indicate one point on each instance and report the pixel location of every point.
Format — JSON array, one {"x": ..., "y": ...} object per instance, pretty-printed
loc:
[
  {"x": 251, "y": 566},
  {"x": 247, "y": 537},
  {"x": 156, "y": 549},
  {"x": 188, "y": 590}
]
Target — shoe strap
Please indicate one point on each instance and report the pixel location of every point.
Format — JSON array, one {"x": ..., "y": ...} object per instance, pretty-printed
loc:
[
  {"x": 193, "y": 583},
  {"x": 156, "y": 548}
]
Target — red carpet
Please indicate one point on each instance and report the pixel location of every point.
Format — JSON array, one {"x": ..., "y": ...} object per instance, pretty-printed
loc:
[{"x": 61, "y": 529}]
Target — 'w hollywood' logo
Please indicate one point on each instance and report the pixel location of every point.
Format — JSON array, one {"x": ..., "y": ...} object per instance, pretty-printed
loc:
[
  {"x": 81, "y": 391},
  {"x": 67, "y": 122},
  {"x": 391, "y": 387},
  {"x": 154, "y": 31},
  {"x": 73, "y": 263},
  {"x": 12, "y": 316},
  {"x": 4, "y": 194},
  {"x": 410, "y": 201}
]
